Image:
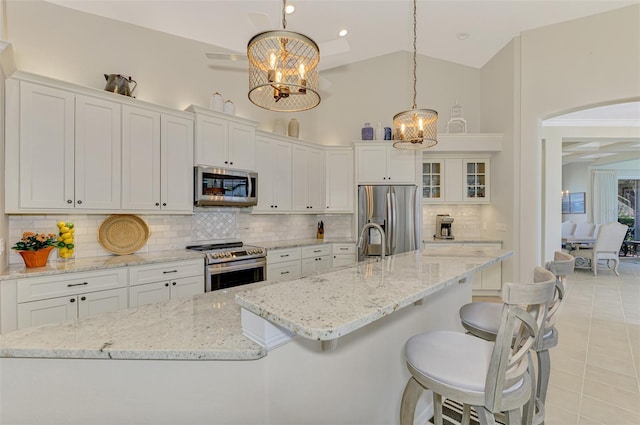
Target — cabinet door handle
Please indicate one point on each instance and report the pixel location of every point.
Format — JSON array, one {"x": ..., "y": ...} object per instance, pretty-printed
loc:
[
  {"x": 77, "y": 284},
  {"x": 317, "y": 250},
  {"x": 164, "y": 204},
  {"x": 284, "y": 272},
  {"x": 284, "y": 255},
  {"x": 69, "y": 201},
  {"x": 344, "y": 249},
  {"x": 166, "y": 284},
  {"x": 231, "y": 163},
  {"x": 173, "y": 283},
  {"x": 157, "y": 204},
  {"x": 79, "y": 201},
  {"x": 83, "y": 298},
  {"x": 226, "y": 162},
  {"x": 170, "y": 271},
  {"x": 72, "y": 300}
]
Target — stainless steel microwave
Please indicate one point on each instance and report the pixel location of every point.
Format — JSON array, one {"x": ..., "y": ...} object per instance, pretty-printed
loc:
[{"x": 225, "y": 187}]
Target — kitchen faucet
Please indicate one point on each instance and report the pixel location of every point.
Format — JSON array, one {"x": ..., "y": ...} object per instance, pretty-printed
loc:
[{"x": 384, "y": 238}]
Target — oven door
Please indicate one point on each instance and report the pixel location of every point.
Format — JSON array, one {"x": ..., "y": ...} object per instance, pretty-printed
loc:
[{"x": 235, "y": 273}]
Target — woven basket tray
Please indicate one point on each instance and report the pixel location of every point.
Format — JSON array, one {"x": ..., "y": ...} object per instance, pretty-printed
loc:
[{"x": 123, "y": 234}]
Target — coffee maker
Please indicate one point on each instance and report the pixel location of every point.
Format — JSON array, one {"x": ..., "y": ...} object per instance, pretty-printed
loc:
[{"x": 443, "y": 227}]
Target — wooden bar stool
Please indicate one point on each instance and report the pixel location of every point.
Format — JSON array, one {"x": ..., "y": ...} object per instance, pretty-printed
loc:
[
  {"x": 491, "y": 376},
  {"x": 482, "y": 319}
]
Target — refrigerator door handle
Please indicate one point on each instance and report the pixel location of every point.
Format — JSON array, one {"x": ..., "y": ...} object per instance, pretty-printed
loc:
[
  {"x": 415, "y": 219},
  {"x": 393, "y": 223}
]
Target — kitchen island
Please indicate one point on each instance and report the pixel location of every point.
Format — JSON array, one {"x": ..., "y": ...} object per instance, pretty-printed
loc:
[{"x": 62, "y": 373}]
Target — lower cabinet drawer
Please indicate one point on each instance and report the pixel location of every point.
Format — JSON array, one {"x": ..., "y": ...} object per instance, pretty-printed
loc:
[
  {"x": 284, "y": 271},
  {"x": 316, "y": 251},
  {"x": 283, "y": 255},
  {"x": 140, "y": 275},
  {"x": 344, "y": 249},
  {"x": 40, "y": 288}
]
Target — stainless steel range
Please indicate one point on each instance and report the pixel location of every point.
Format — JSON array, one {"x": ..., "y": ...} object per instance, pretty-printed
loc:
[{"x": 232, "y": 264}]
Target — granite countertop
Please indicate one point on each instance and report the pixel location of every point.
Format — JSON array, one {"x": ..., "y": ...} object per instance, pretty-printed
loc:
[
  {"x": 301, "y": 242},
  {"x": 208, "y": 326},
  {"x": 333, "y": 304},
  {"x": 462, "y": 240},
  {"x": 17, "y": 271},
  {"x": 204, "y": 327}
]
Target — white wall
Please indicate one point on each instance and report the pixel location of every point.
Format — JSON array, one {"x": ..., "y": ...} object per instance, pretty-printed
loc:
[
  {"x": 500, "y": 113},
  {"x": 573, "y": 65}
]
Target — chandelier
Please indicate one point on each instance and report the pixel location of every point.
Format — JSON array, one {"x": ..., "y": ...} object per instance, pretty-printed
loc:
[
  {"x": 415, "y": 128},
  {"x": 283, "y": 70}
]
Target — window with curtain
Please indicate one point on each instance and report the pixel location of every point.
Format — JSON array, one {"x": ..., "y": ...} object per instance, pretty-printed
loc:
[{"x": 604, "y": 190}]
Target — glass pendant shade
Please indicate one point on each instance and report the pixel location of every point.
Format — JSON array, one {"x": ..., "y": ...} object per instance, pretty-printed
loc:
[
  {"x": 283, "y": 71},
  {"x": 415, "y": 129}
]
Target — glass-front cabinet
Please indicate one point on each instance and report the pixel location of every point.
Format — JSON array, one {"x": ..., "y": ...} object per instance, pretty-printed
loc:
[
  {"x": 432, "y": 173},
  {"x": 476, "y": 180},
  {"x": 455, "y": 179}
]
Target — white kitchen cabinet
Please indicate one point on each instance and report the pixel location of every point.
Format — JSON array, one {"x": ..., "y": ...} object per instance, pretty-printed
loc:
[
  {"x": 53, "y": 310},
  {"x": 159, "y": 282},
  {"x": 344, "y": 254},
  {"x": 223, "y": 140},
  {"x": 459, "y": 180},
  {"x": 164, "y": 181},
  {"x": 49, "y": 299},
  {"x": 380, "y": 162},
  {"x": 308, "y": 179},
  {"x": 65, "y": 144},
  {"x": 489, "y": 280},
  {"x": 273, "y": 164},
  {"x": 340, "y": 185},
  {"x": 315, "y": 259},
  {"x": 64, "y": 147},
  {"x": 284, "y": 264}
]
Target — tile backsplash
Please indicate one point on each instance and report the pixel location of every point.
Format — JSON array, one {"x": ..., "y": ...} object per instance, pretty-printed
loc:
[
  {"x": 466, "y": 223},
  {"x": 177, "y": 231}
]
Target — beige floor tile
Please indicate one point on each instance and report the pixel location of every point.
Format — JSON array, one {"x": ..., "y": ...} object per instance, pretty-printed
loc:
[
  {"x": 605, "y": 413},
  {"x": 585, "y": 421},
  {"x": 616, "y": 362},
  {"x": 625, "y": 381},
  {"x": 556, "y": 415},
  {"x": 617, "y": 351},
  {"x": 565, "y": 381},
  {"x": 564, "y": 363},
  {"x": 561, "y": 397},
  {"x": 612, "y": 395}
]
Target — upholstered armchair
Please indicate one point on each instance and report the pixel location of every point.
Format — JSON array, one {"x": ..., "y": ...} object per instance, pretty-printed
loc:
[{"x": 606, "y": 247}]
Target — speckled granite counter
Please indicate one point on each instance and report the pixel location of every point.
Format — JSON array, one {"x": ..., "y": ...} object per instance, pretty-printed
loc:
[
  {"x": 301, "y": 242},
  {"x": 17, "y": 271},
  {"x": 205, "y": 327},
  {"x": 208, "y": 326},
  {"x": 330, "y": 305}
]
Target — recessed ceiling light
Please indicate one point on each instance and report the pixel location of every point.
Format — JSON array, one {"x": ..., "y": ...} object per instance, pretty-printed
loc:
[
  {"x": 289, "y": 9},
  {"x": 343, "y": 32},
  {"x": 463, "y": 35}
]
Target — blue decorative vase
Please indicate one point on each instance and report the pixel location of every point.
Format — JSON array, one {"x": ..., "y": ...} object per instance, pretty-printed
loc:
[
  {"x": 387, "y": 133},
  {"x": 367, "y": 131}
]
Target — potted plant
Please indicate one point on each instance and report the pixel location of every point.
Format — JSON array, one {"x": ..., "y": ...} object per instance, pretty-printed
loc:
[{"x": 35, "y": 248}]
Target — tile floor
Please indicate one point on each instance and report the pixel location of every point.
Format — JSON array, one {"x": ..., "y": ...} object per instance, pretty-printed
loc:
[{"x": 595, "y": 369}]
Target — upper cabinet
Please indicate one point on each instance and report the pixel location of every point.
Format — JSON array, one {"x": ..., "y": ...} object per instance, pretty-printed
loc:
[
  {"x": 223, "y": 140},
  {"x": 308, "y": 179},
  {"x": 340, "y": 186},
  {"x": 79, "y": 149},
  {"x": 163, "y": 182},
  {"x": 456, "y": 180},
  {"x": 63, "y": 147},
  {"x": 273, "y": 164},
  {"x": 380, "y": 162}
]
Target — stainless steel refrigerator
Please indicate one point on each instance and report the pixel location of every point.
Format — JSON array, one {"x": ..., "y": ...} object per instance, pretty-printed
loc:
[{"x": 397, "y": 209}]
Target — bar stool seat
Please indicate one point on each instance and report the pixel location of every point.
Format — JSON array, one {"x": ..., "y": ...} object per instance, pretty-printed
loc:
[
  {"x": 491, "y": 376},
  {"x": 482, "y": 319}
]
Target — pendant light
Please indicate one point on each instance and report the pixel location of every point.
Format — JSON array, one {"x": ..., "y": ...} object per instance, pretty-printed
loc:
[
  {"x": 283, "y": 70},
  {"x": 415, "y": 128}
]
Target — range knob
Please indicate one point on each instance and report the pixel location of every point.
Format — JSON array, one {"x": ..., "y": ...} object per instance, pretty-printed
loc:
[
  {"x": 227, "y": 254},
  {"x": 215, "y": 255}
]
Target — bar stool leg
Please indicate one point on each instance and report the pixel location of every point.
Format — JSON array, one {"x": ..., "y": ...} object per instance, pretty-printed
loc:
[
  {"x": 437, "y": 409},
  {"x": 484, "y": 416},
  {"x": 544, "y": 370},
  {"x": 410, "y": 398},
  {"x": 466, "y": 415}
]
